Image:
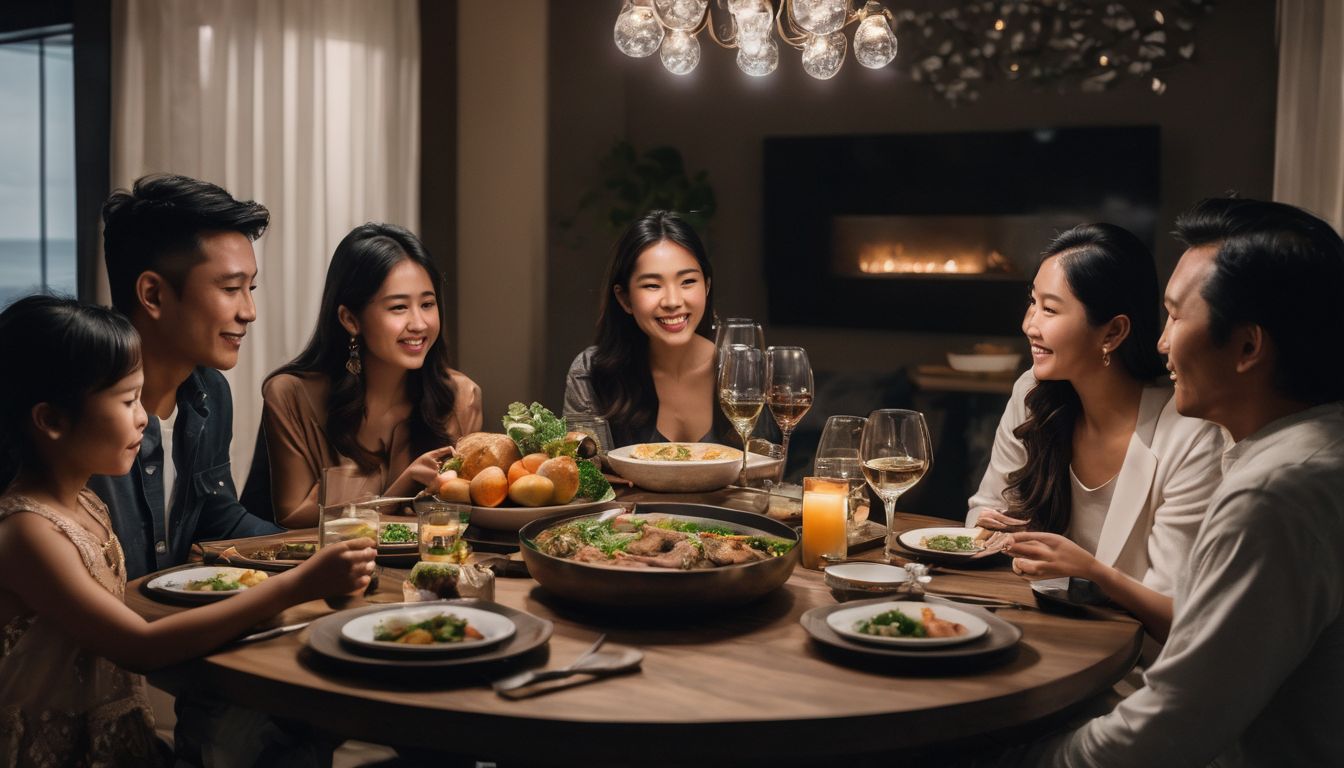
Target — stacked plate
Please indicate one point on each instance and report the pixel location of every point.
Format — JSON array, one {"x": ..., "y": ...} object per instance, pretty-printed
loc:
[{"x": 380, "y": 637}]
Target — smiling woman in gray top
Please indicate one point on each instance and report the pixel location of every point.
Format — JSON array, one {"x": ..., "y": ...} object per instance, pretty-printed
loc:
[{"x": 652, "y": 373}]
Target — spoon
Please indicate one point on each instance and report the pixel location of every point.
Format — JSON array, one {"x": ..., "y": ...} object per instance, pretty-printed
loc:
[{"x": 595, "y": 662}]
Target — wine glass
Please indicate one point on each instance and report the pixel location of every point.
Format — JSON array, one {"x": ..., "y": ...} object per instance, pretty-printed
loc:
[
  {"x": 788, "y": 391},
  {"x": 742, "y": 392},
  {"x": 895, "y": 453},
  {"x": 838, "y": 457}
]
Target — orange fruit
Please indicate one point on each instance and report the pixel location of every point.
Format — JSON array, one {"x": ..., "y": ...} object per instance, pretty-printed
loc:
[
  {"x": 489, "y": 487},
  {"x": 534, "y": 460},
  {"x": 517, "y": 470},
  {"x": 456, "y": 490}
]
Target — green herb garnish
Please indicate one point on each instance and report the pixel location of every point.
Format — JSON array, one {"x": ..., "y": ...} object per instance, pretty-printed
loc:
[
  {"x": 891, "y": 623},
  {"x": 216, "y": 583},
  {"x": 396, "y": 533}
]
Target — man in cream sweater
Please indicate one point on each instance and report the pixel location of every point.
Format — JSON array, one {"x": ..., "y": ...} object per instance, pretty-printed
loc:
[{"x": 1253, "y": 671}]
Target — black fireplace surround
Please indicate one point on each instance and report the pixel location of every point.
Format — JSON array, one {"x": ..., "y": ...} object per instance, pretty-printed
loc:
[{"x": 1060, "y": 175}]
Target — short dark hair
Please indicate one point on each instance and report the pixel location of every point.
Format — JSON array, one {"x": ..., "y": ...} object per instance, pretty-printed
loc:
[
  {"x": 1279, "y": 267},
  {"x": 157, "y": 226},
  {"x": 69, "y": 351}
]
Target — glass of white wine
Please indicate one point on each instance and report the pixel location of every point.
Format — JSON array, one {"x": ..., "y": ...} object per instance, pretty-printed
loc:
[
  {"x": 788, "y": 392},
  {"x": 742, "y": 392},
  {"x": 895, "y": 450}
]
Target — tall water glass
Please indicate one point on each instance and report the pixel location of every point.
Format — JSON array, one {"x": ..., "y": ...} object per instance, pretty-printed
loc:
[
  {"x": 788, "y": 392},
  {"x": 838, "y": 457},
  {"x": 895, "y": 450},
  {"x": 742, "y": 392},
  {"x": 738, "y": 330}
]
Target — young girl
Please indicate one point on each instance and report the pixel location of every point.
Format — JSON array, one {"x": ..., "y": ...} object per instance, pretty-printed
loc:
[
  {"x": 1091, "y": 457},
  {"x": 652, "y": 373},
  {"x": 70, "y": 647},
  {"x": 373, "y": 386}
]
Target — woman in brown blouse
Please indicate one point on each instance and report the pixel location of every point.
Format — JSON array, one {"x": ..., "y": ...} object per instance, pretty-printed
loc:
[{"x": 373, "y": 388}]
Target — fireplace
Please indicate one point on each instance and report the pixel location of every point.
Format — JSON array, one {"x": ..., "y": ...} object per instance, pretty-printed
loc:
[{"x": 939, "y": 232}]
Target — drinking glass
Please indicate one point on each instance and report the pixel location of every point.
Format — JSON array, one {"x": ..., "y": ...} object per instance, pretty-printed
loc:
[
  {"x": 441, "y": 526},
  {"x": 824, "y": 535},
  {"x": 742, "y": 392},
  {"x": 895, "y": 453},
  {"x": 788, "y": 391},
  {"x": 344, "y": 512},
  {"x": 838, "y": 457},
  {"x": 738, "y": 330}
]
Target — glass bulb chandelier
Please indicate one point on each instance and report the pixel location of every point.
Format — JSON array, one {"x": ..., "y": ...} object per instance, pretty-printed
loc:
[{"x": 672, "y": 28}]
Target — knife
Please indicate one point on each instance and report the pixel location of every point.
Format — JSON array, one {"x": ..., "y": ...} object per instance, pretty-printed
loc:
[{"x": 269, "y": 633}]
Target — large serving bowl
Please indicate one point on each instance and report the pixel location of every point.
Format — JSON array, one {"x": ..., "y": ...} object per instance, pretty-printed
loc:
[
  {"x": 691, "y": 476},
  {"x": 658, "y": 587}
]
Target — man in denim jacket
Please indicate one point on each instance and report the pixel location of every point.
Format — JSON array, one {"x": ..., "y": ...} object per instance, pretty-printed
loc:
[{"x": 181, "y": 266}]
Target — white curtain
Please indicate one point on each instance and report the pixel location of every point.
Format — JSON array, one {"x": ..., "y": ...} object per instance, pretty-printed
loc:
[
  {"x": 311, "y": 107},
  {"x": 1309, "y": 139}
]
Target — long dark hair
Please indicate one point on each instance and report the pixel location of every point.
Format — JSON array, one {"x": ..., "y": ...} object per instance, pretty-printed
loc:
[
  {"x": 67, "y": 351},
  {"x": 1112, "y": 273},
  {"x": 622, "y": 379},
  {"x": 358, "y": 268}
]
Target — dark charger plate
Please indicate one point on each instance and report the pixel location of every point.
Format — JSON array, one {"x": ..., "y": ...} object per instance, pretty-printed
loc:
[
  {"x": 1001, "y": 639},
  {"x": 324, "y": 638}
]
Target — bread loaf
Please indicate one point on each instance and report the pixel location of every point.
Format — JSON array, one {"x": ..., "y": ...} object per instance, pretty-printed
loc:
[{"x": 479, "y": 450}]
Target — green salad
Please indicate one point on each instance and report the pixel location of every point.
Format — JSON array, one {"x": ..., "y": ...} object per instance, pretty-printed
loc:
[
  {"x": 444, "y": 628},
  {"x": 891, "y": 623},
  {"x": 396, "y": 533}
]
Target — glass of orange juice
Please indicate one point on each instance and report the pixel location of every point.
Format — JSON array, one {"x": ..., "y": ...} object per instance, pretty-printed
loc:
[{"x": 825, "y": 501}]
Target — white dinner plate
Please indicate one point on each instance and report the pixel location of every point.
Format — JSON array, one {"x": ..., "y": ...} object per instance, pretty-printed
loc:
[
  {"x": 175, "y": 582},
  {"x": 360, "y": 630},
  {"x": 910, "y": 540},
  {"x": 844, "y": 621}
]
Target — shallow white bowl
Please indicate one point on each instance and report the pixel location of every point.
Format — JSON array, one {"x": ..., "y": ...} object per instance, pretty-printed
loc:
[
  {"x": 866, "y": 577},
  {"x": 679, "y": 476},
  {"x": 968, "y": 363}
]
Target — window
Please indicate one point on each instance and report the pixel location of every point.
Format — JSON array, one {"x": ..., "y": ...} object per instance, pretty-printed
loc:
[{"x": 37, "y": 164}]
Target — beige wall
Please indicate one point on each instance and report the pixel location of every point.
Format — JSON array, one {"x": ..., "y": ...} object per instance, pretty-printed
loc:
[{"x": 501, "y": 210}]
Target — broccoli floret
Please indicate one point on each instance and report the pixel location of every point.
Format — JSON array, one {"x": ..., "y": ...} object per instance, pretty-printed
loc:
[
  {"x": 533, "y": 426},
  {"x": 592, "y": 485}
]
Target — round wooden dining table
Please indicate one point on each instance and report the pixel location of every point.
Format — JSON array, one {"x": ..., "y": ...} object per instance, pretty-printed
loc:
[{"x": 748, "y": 685}]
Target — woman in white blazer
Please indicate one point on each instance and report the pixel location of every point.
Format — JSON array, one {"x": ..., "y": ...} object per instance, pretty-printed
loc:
[{"x": 1091, "y": 461}]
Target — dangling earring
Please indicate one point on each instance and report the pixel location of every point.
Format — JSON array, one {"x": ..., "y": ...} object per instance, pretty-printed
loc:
[
  {"x": 353, "y": 365},
  {"x": 1105, "y": 356}
]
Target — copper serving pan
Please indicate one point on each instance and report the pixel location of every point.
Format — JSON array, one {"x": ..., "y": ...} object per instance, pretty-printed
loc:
[{"x": 659, "y": 587}]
